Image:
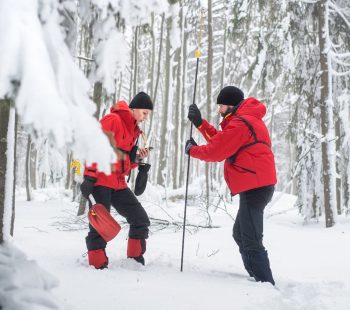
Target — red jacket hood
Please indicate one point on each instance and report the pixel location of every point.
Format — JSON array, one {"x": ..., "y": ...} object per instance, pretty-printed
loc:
[
  {"x": 249, "y": 106},
  {"x": 253, "y": 107},
  {"x": 121, "y": 107}
]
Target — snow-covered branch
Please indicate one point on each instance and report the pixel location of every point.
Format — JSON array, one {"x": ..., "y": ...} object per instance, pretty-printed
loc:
[
  {"x": 52, "y": 96},
  {"x": 335, "y": 73},
  {"x": 340, "y": 62},
  {"x": 309, "y": 1},
  {"x": 339, "y": 11}
]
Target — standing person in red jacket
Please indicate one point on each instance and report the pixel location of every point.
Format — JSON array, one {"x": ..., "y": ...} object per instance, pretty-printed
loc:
[
  {"x": 249, "y": 169},
  {"x": 121, "y": 126}
]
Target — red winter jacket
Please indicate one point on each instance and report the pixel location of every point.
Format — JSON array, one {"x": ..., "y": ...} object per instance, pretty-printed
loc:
[
  {"x": 122, "y": 126},
  {"x": 254, "y": 166}
]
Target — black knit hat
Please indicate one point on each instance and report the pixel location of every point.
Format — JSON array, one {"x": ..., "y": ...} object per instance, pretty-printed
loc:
[
  {"x": 230, "y": 95},
  {"x": 141, "y": 101}
]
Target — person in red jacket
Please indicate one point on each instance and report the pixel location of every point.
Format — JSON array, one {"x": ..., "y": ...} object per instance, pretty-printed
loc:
[
  {"x": 249, "y": 169},
  {"x": 121, "y": 126}
]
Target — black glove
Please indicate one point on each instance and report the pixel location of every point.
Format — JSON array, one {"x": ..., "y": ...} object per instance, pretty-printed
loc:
[
  {"x": 189, "y": 144},
  {"x": 87, "y": 186},
  {"x": 194, "y": 115},
  {"x": 141, "y": 179}
]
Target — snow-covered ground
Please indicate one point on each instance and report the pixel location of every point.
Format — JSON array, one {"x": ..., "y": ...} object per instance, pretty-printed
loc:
[{"x": 310, "y": 263}]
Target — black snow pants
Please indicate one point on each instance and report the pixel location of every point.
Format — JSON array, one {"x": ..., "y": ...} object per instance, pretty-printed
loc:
[
  {"x": 127, "y": 205},
  {"x": 248, "y": 232}
]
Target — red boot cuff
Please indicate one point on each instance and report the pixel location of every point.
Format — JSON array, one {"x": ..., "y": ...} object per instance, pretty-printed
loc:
[
  {"x": 98, "y": 258},
  {"x": 134, "y": 248}
]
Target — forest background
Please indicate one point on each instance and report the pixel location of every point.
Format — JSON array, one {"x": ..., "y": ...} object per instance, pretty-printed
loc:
[{"x": 77, "y": 58}]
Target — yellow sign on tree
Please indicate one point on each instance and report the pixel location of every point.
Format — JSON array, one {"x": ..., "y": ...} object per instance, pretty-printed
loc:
[{"x": 75, "y": 164}]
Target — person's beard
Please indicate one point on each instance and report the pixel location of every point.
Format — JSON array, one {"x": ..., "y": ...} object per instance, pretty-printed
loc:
[{"x": 228, "y": 111}]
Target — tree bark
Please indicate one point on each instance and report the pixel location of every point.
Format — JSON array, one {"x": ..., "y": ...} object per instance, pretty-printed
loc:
[
  {"x": 159, "y": 58},
  {"x": 82, "y": 205},
  {"x": 338, "y": 167},
  {"x": 68, "y": 170},
  {"x": 155, "y": 91},
  {"x": 325, "y": 110},
  {"x": 136, "y": 67},
  {"x": 209, "y": 90},
  {"x": 162, "y": 173},
  {"x": 33, "y": 165},
  {"x": 178, "y": 109},
  {"x": 153, "y": 58},
  {"x": 14, "y": 179},
  {"x": 97, "y": 97},
  {"x": 183, "y": 101},
  {"x": 29, "y": 143},
  {"x": 5, "y": 164}
]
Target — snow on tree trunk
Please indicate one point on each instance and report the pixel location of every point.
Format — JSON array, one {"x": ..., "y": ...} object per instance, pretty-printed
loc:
[{"x": 7, "y": 147}]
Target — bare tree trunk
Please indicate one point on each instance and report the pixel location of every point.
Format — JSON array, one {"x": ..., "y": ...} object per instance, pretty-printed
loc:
[
  {"x": 68, "y": 170},
  {"x": 33, "y": 165},
  {"x": 29, "y": 142},
  {"x": 6, "y": 162},
  {"x": 338, "y": 167},
  {"x": 224, "y": 53},
  {"x": 159, "y": 58},
  {"x": 178, "y": 110},
  {"x": 14, "y": 179},
  {"x": 131, "y": 71},
  {"x": 177, "y": 120},
  {"x": 161, "y": 173},
  {"x": 155, "y": 91},
  {"x": 209, "y": 90},
  {"x": 153, "y": 58},
  {"x": 43, "y": 180},
  {"x": 97, "y": 97},
  {"x": 325, "y": 110},
  {"x": 82, "y": 205},
  {"x": 183, "y": 101},
  {"x": 136, "y": 65}
]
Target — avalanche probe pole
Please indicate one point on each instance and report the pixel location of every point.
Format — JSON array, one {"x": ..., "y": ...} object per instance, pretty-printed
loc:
[{"x": 197, "y": 54}]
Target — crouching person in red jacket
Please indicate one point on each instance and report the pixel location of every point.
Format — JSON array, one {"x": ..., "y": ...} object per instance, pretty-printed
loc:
[
  {"x": 121, "y": 126},
  {"x": 249, "y": 169}
]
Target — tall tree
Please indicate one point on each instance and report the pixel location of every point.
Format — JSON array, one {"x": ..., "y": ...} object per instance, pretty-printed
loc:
[
  {"x": 326, "y": 111},
  {"x": 7, "y": 167}
]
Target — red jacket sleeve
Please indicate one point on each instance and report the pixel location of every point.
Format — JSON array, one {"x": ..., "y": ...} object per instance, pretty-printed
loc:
[
  {"x": 133, "y": 165},
  {"x": 222, "y": 145},
  {"x": 207, "y": 130},
  {"x": 91, "y": 171}
]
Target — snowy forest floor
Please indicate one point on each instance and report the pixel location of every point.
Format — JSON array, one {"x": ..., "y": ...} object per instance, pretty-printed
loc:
[{"x": 310, "y": 263}]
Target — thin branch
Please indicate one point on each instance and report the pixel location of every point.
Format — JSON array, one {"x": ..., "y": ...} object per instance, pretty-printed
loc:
[
  {"x": 84, "y": 58},
  {"x": 180, "y": 224},
  {"x": 336, "y": 8},
  {"x": 309, "y": 1},
  {"x": 339, "y": 62},
  {"x": 335, "y": 73}
]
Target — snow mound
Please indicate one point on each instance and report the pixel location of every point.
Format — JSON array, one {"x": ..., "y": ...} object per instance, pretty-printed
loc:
[{"x": 23, "y": 284}]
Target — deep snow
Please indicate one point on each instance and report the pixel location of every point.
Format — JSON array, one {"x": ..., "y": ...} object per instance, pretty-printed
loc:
[{"x": 310, "y": 263}]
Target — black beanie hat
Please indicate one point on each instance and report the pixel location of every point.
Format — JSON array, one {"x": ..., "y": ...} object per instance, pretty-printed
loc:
[
  {"x": 230, "y": 95},
  {"x": 141, "y": 101}
]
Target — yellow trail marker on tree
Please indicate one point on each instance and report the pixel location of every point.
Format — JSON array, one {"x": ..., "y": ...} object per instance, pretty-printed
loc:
[{"x": 75, "y": 164}]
